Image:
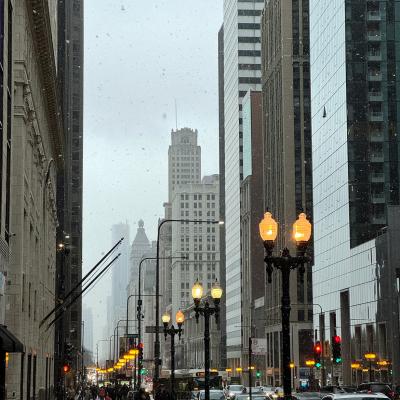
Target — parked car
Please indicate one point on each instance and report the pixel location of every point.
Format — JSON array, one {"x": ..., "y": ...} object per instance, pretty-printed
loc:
[{"x": 377, "y": 387}]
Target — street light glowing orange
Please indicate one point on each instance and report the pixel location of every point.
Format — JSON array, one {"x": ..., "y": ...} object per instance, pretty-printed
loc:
[
  {"x": 180, "y": 317},
  {"x": 268, "y": 228},
  {"x": 302, "y": 229}
]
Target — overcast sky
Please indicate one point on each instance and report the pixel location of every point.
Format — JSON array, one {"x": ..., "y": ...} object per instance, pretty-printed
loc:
[{"x": 139, "y": 57}]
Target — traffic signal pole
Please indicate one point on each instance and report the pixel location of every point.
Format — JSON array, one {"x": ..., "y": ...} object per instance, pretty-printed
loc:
[{"x": 250, "y": 366}]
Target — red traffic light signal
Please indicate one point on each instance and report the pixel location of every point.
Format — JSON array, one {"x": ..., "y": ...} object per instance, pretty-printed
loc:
[
  {"x": 336, "y": 339},
  {"x": 66, "y": 368},
  {"x": 140, "y": 346},
  {"x": 317, "y": 348}
]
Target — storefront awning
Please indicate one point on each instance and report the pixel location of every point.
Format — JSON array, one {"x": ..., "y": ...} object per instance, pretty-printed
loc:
[{"x": 8, "y": 342}]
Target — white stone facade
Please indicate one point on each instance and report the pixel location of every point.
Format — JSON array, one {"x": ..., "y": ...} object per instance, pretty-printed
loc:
[
  {"x": 36, "y": 149},
  {"x": 184, "y": 159},
  {"x": 198, "y": 242}
]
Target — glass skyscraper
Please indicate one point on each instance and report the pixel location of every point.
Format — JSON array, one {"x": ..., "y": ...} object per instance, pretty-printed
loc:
[
  {"x": 242, "y": 71},
  {"x": 354, "y": 52}
]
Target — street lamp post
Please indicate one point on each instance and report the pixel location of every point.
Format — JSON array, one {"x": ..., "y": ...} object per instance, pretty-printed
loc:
[
  {"x": 139, "y": 308},
  {"x": 157, "y": 341},
  {"x": 370, "y": 357},
  {"x": 206, "y": 311},
  {"x": 172, "y": 331},
  {"x": 97, "y": 354},
  {"x": 83, "y": 351},
  {"x": 285, "y": 263}
]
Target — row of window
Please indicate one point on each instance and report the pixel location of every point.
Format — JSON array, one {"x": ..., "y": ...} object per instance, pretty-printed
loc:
[
  {"x": 197, "y": 214},
  {"x": 198, "y": 196},
  {"x": 197, "y": 229}
]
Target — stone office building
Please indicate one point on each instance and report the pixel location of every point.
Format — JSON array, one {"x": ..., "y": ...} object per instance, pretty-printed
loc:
[{"x": 33, "y": 148}]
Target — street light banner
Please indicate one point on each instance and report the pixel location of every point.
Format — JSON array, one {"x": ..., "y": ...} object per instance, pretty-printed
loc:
[{"x": 259, "y": 346}]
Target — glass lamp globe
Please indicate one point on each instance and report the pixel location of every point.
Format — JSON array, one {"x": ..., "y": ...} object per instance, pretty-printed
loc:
[
  {"x": 216, "y": 290},
  {"x": 166, "y": 318},
  {"x": 268, "y": 228},
  {"x": 197, "y": 290},
  {"x": 302, "y": 229},
  {"x": 180, "y": 317}
]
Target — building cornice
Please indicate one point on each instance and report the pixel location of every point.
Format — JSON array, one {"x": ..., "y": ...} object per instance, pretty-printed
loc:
[{"x": 38, "y": 11}]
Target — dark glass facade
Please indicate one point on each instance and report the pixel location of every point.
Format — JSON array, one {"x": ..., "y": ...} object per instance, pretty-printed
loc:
[{"x": 372, "y": 62}]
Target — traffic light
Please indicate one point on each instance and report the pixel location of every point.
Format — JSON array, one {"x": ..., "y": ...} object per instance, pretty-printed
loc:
[
  {"x": 68, "y": 353},
  {"x": 258, "y": 374},
  {"x": 66, "y": 368},
  {"x": 140, "y": 348},
  {"x": 317, "y": 354},
  {"x": 336, "y": 349}
]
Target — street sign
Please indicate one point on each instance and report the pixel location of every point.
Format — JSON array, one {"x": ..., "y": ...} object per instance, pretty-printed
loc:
[
  {"x": 337, "y": 370},
  {"x": 152, "y": 329},
  {"x": 132, "y": 335},
  {"x": 259, "y": 346}
]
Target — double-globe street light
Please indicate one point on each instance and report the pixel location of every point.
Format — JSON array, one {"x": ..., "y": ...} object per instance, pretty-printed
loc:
[
  {"x": 172, "y": 331},
  {"x": 157, "y": 361},
  {"x": 139, "y": 311},
  {"x": 206, "y": 311},
  {"x": 285, "y": 263}
]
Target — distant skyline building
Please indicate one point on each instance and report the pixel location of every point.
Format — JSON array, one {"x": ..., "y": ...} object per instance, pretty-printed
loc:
[
  {"x": 184, "y": 159},
  {"x": 242, "y": 71},
  {"x": 142, "y": 248},
  {"x": 355, "y": 123},
  {"x": 287, "y": 168},
  {"x": 198, "y": 242},
  {"x": 120, "y": 273},
  {"x": 87, "y": 318}
]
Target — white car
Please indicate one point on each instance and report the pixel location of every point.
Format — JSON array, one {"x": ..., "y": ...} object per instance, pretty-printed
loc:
[{"x": 355, "y": 396}]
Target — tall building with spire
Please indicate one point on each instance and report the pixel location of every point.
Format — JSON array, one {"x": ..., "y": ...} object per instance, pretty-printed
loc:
[
  {"x": 140, "y": 249},
  {"x": 184, "y": 159},
  {"x": 140, "y": 246},
  {"x": 120, "y": 272}
]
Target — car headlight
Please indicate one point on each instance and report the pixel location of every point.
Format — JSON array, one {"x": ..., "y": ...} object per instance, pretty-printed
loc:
[
  {"x": 231, "y": 394},
  {"x": 275, "y": 396}
]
